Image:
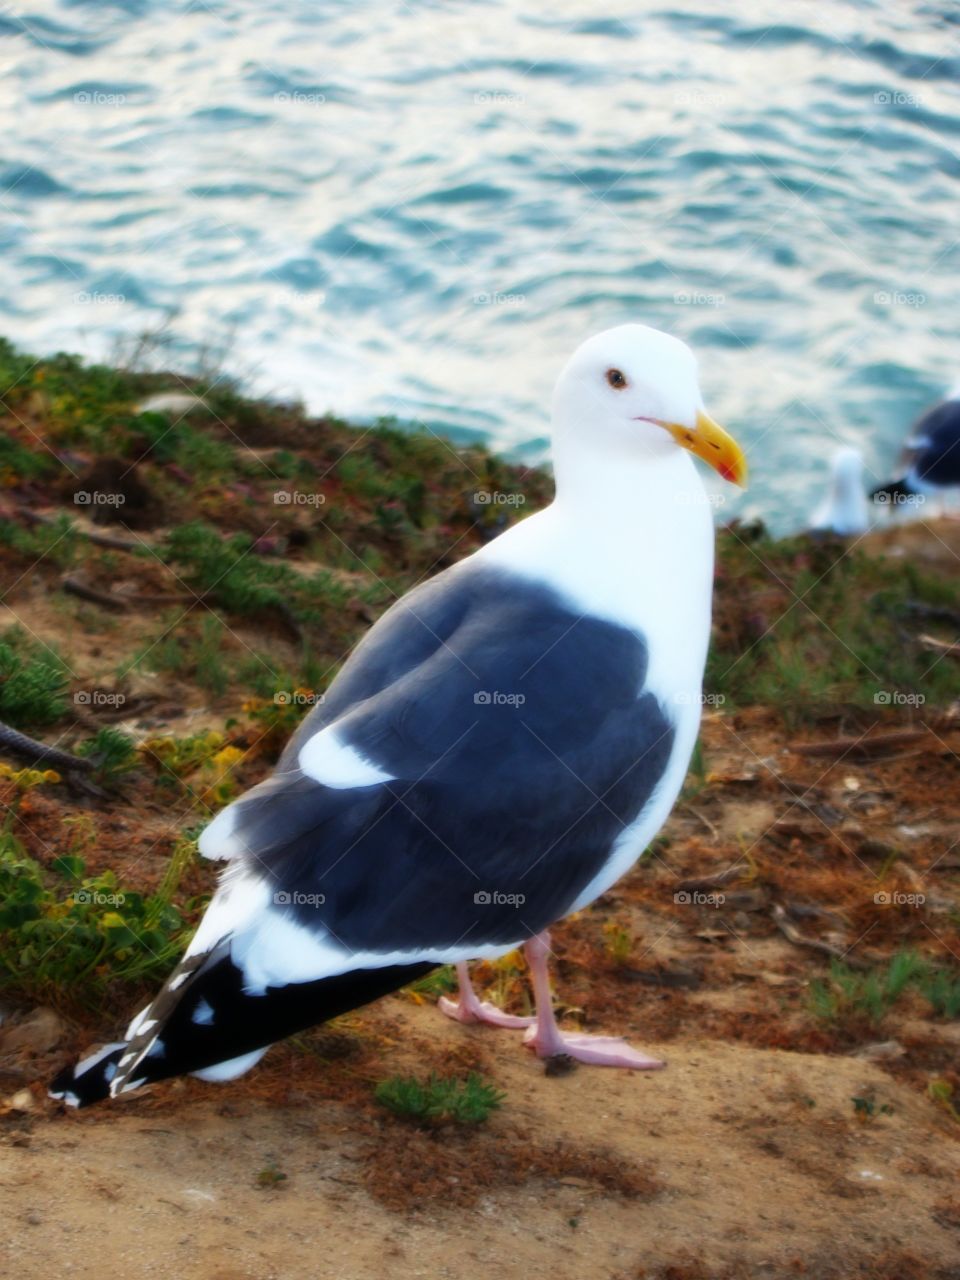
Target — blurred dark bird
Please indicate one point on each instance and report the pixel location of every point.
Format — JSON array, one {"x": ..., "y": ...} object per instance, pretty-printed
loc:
[{"x": 930, "y": 462}]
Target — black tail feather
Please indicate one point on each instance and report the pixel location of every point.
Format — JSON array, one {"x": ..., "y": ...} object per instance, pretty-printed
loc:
[
  {"x": 88, "y": 1081},
  {"x": 216, "y": 1021}
]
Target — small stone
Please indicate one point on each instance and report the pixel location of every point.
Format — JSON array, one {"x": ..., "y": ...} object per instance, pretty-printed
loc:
[
  {"x": 37, "y": 1033},
  {"x": 559, "y": 1064},
  {"x": 880, "y": 1051}
]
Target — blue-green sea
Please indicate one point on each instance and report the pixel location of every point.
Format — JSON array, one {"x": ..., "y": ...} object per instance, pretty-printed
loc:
[{"x": 409, "y": 208}]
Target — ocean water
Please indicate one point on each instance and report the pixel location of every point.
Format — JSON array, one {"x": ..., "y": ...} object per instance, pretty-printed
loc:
[{"x": 419, "y": 208}]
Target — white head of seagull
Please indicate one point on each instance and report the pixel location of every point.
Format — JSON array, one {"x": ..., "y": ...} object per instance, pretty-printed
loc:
[{"x": 628, "y": 397}]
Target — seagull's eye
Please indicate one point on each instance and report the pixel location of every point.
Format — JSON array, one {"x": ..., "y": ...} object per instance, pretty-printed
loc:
[{"x": 616, "y": 379}]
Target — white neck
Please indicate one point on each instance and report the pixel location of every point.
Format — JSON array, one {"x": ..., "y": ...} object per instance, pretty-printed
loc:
[{"x": 630, "y": 541}]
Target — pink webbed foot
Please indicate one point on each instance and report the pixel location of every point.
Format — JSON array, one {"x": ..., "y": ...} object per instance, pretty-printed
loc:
[
  {"x": 599, "y": 1051},
  {"x": 468, "y": 1007},
  {"x": 548, "y": 1041}
]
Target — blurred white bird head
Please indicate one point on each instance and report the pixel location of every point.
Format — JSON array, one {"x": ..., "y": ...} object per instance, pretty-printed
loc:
[{"x": 844, "y": 508}]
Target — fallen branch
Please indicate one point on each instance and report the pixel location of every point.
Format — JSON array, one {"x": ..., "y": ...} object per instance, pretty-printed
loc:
[
  {"x": 37, "y": 753},
  {"x": 934, "y": 645},
  {"x": 937, "y": 613},
  {"x": 865, "y": 747},
  {"x": 814, "y": 944},
  {"x": 704, "y": 819},
  {"x": 73, "y": 586},
  {"x": 100, "y": 539},
  {"x": 714, "y": 881}
]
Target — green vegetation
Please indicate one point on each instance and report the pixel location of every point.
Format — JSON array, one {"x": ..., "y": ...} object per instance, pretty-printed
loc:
[
  {"x": 33, "y": 682},
  {"x": 66, "y": 934},
  {"x": 224, "y": 570},
  {"x": 270, "y": 1177},
  {"x": 850, "y": 995},
  {"x": 439, "y": 982},
  {"x": 941, "y": 989},
  {"x": 618, "y": 942},
  {"x": 437, "y": 1099},
  {"x": 866, "y": 1108},
  {"x": 804, "y": 627},
  {"x": 111, "y": 752}
]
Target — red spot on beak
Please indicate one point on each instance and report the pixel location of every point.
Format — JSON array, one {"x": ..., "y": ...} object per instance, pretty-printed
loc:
[{"x": 727, "y": 472}]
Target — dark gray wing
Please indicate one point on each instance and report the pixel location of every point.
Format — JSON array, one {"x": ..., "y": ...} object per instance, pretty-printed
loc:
[{"x": 519, "y": 742}]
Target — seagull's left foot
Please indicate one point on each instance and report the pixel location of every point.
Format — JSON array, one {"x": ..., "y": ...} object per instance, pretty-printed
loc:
[
  {"x": 547, "y": 1040},
  {"x": 599, "y": 1051},
  {"x": 470, "y": 1008}
]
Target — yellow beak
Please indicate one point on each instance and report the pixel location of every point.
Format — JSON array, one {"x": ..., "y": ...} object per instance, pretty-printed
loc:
[{"x": 710, "y": 442}]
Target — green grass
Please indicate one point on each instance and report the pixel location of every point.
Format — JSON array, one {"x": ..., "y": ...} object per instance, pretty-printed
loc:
[
  {"x": 195, "y": 448},
  {"x": 111, "y": 752},
  {"x": 851, "y": 995},
  {"x": 33, "y": 682},
  {"x": 57, "y": 542},
  {"x": 17, "y": 462},
  {"x": 438, "y": 1099},
  {"x": 941, "y": 988},
  {"x": 805, "y": 628},
  {"x": 439, "y": 982},
  {"x": 65, "y": 933}
]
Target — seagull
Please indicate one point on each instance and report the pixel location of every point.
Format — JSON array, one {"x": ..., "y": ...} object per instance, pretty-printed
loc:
[
  {"x": 498, "y": 750},
  {"x": 930, "y": 461},
  {"x": 843, "y": 510}
]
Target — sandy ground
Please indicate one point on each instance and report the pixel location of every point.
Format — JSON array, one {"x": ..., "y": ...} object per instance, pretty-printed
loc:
[{"x": 755, "y": 1161}]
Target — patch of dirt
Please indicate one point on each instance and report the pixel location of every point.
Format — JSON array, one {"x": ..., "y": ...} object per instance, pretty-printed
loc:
[{"x": 756, "y": 1155}]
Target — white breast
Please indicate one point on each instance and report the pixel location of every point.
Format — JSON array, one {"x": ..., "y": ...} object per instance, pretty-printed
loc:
[{"x": 646, "y": 565}]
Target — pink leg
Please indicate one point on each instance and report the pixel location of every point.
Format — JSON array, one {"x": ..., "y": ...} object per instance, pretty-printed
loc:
[
  {"x": 470, "y": 1008},
  {"x": 547, "y": 1040}
]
